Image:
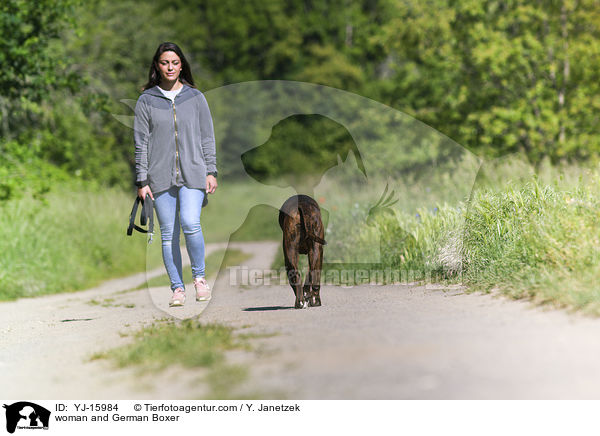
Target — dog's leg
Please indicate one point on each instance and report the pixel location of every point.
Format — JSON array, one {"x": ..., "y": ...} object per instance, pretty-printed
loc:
[
  {"x": 315, "y": 263},
  {"x": 290, "y": 252},
  {"x": 306, "y": 289}
]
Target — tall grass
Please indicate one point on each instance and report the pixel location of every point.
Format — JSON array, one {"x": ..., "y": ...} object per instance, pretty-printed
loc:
[
  {"x": 75, "y": 236},
  {"x": 537, "y": 241},
  {"x": 527, "y": 234},
  {"x": 72, "y": 239}
]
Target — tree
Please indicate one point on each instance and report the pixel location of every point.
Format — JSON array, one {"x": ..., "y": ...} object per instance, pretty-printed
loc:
[
  {"x": 502, "y": 76},
  {"x": 30, "y": 69}
]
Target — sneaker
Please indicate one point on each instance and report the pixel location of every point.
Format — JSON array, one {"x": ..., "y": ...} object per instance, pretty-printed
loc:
[
  {"x": 178, "y": 298},
  {"x": 202, "y": 289}
]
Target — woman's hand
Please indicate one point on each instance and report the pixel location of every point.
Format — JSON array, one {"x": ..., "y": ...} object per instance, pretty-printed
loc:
[
  {"x": 142, "y": 192},
  {"x": 211, "y": 184}
]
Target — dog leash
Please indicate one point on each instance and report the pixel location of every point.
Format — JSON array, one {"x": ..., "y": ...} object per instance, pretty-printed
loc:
[{"x": 146, "y": 216}]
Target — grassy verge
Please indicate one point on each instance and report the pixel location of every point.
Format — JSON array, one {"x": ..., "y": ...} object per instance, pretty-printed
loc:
[
  {"x": 525, "y": 235},
  {"x": 537, "y": 241},
  {"x": 189, "y": 344},
  {"x": 75, "y": 237},
  {"x": 71, "y": 239}
]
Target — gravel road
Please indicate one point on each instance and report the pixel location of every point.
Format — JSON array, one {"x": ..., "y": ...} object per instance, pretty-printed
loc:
[{"x": 365, "y": 342}]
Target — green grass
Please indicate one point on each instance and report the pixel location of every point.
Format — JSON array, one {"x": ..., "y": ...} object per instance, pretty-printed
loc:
[
  {"x": 75, "y": 237},
  {"x": 187, "y": 343},
  {"x": 72, "y": 239},
  {"x": 537, "y": 241},
  {"x": 527, "y": 235}
]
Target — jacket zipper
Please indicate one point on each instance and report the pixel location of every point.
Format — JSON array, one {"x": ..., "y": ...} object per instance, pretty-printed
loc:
[{"x": 176, "y": 142}]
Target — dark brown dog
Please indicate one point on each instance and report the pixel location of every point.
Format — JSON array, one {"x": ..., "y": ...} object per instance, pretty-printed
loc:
[{"x": 303, "y": 233}]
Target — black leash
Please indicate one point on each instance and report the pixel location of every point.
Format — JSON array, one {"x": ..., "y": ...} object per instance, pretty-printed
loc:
[{"x": 146, "y": 216}]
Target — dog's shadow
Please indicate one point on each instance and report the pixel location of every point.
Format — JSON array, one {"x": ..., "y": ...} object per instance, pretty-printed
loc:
[{"x": 266, "y": 308}]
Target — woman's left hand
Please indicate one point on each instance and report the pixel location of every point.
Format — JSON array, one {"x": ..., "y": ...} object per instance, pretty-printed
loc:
[{"x": 211, "y": 184}]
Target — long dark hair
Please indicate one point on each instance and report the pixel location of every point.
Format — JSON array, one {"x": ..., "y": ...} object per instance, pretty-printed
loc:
[{"x": 154, "y": 75}]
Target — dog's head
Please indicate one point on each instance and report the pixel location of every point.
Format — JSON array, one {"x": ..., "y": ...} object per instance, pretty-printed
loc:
[{"x": 299, "y": 151}]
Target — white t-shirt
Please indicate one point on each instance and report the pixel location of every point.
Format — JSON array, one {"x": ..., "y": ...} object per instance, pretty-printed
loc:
[{"x": 170, "y": 94}]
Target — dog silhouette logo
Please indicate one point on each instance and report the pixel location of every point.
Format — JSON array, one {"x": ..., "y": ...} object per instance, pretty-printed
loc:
[
  {"x": 369, "y": 166},
  {"x": 26, "y": 415}
]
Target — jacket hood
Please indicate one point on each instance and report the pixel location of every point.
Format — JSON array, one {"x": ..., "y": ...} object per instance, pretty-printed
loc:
[{"x": 156, "y": 92}]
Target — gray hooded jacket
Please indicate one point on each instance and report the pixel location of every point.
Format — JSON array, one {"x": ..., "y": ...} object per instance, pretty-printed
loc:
[{"x": 174, "y": 140}]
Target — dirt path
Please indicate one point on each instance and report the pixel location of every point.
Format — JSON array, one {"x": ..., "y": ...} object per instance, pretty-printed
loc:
[{"x": 365, "y": 342}]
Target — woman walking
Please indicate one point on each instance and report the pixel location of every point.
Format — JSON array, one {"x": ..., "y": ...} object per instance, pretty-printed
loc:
[{"x": 175, "y": 162}]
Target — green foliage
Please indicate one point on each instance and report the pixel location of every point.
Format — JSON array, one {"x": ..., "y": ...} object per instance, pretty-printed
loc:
[
  {"x": 327, "y": 43},
  {"x": 536, "y": 241},
  {"x": 46, "y": 134},
  {"x": 22, "y": 172},
  {"x": 498, "y": 77},
  {"x": 260, "y": 224},
  {"x": 502, "y": 77},
  {"x": 29, "y": 69},
  {"x": 77, "y": 137}
]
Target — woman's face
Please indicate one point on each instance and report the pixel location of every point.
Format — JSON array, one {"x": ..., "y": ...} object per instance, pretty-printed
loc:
[{"x": 169, "y": 66}]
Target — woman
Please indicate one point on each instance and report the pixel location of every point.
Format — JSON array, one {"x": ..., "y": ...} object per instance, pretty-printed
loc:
[{"x": 175, "y": 162}]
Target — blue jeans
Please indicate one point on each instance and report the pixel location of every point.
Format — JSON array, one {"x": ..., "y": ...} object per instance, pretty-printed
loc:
[{"x": 174, "y": 206}]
